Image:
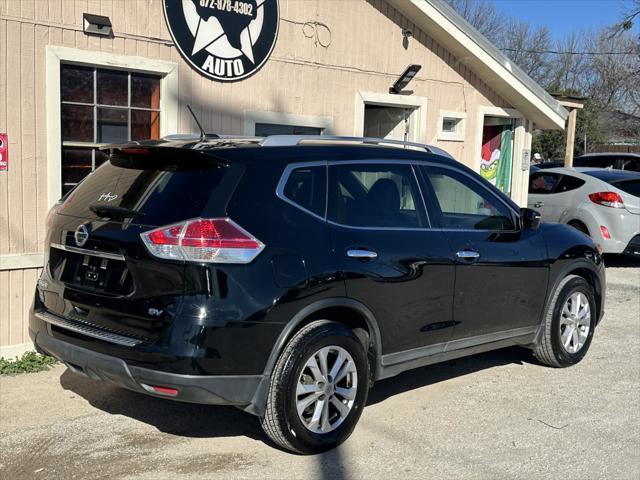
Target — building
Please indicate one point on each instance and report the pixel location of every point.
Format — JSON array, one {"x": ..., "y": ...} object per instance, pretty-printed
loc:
[{"x": 70, "y": 82}]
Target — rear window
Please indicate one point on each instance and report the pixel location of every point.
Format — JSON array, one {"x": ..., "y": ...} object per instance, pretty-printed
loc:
[
  {"x": 157, "y": 194},
  {"x": 632, "y": 187}
]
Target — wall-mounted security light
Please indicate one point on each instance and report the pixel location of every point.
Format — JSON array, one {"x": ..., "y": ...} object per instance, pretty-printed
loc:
[
  {"x": 406, "y": 35},
  {"x": 405, "y": 78},
  {"x": 96, "y": 25}
]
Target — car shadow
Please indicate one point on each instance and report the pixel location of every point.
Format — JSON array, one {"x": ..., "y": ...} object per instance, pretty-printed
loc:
[
  {"x": 175, "y": 418},
  {"x": 440, "y": 372},
  {"x": 621, "y": 261},
  {"x": 203, "y": 421}
]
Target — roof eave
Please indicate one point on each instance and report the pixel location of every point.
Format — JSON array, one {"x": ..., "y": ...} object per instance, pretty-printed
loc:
[{"x": 470, "y": 47}]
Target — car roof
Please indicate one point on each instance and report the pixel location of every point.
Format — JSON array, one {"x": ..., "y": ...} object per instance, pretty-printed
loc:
[
  {"x": 232, "y": 148},
  {"x": 609, "y": 154},
  {"x": 604, "y": 174},
  {"x": 609, "y": 174}
]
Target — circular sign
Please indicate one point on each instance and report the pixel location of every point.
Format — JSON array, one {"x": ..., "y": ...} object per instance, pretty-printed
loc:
[{"x": 226, "y": 40}]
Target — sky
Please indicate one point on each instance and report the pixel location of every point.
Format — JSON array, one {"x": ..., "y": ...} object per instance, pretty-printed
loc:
[{"x": 564, "y": 16}]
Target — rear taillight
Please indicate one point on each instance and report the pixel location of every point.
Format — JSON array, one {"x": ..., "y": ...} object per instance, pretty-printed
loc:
[
  {"x": 217, "y": 240},
  {"x": 607, "y": 199}
]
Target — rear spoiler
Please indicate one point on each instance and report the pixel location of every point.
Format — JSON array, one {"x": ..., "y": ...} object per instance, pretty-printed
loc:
[{"x": 156, "y": 152}]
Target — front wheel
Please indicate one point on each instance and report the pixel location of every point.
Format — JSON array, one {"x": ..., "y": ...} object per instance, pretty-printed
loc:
[
  {"x": 568, "y": 324},
  {"x": 318, "y": 389}
]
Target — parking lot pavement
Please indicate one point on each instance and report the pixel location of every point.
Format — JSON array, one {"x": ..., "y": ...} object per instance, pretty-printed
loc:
[{"x": 496, "y": 415}]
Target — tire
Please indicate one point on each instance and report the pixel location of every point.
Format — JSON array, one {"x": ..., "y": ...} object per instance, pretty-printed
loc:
[
  {"x": 581, "y": 227},
  {"x": 550, "y": 348},
  {"x": 298, "y": 432}
]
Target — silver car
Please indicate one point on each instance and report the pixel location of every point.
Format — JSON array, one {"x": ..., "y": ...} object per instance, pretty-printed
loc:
[{"x": 602, "y": 203}]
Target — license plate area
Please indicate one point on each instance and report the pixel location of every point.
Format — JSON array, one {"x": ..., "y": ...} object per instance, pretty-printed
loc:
[{"x": 91, "y": 273}]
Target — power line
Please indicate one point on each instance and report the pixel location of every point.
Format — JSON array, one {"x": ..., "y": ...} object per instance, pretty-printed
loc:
[{"x": 556, "y": 52}]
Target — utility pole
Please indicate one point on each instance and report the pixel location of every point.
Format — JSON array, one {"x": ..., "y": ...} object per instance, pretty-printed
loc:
[{"x": 572, "y": 104}]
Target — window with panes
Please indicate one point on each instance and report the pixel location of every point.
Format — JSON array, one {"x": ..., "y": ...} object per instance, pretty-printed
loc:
[{"x": 101, "y": 106}]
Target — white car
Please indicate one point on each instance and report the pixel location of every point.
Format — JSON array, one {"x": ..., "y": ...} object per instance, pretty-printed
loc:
[{"x": 602, "y": 203}]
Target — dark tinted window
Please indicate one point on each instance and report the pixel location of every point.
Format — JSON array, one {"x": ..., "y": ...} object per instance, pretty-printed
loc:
[
  {"x": 632, "y": 187},
  {"x": 568, "y": 183},
  {"x": 632, "y": 164},
  {"x": 541, "y": 182},
  {"x": 463, "y": 204},
  {"x": 383, "y": 196},
  {"x": 600, "y": 161},
  {"x": 162, "y": 195},
  {"x": 306, "y": 187}
]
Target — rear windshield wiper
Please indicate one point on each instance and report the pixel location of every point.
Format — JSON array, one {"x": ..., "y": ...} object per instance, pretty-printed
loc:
[{"x": 109, "y": 211}]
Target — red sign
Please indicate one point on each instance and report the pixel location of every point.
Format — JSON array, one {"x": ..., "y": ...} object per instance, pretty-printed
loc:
[{"x": 4, "y": 152}]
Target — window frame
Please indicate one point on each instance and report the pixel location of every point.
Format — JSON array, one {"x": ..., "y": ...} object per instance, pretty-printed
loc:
[
  {"x": 421, "y": 184},
  {"x": 459, "y": 134},
  {"x": 284, "y": 179},
  {"x": 56, "y": 56},
  {"x": 95, "y": 106}
]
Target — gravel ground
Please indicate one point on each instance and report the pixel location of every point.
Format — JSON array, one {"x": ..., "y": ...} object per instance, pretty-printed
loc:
[{"x": 495, "y": 415}]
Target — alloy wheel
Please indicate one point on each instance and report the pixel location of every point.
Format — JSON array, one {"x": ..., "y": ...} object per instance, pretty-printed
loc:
[
  {"x": 575, "y": 322},
  {"x": 326, "y": 389}
]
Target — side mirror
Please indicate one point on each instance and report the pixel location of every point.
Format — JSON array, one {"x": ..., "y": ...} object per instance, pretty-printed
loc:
[{"x": 529, "y": 219}]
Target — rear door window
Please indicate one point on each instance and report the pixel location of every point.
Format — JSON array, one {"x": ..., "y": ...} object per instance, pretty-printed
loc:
[
  {"x": 306, "y": 187},
  {"x": 375, "y": 196}
]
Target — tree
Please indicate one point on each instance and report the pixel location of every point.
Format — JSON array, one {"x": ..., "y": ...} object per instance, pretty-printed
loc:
[
  {"x": 528, "y": 47},
  {"x": 551, "y": 144},
  {"x": 482, "y": 15}
]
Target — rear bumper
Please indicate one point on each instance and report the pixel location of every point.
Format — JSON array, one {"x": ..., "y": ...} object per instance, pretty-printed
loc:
[{"x": 246, "y": 391}]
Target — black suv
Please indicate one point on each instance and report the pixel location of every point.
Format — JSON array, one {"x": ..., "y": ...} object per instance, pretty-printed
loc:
[{"x": 286, "y": 275}]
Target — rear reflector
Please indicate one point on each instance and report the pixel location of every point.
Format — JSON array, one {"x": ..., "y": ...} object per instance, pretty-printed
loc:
[
  {"x": 216, "y": 240},
  {"x": 607, "y": 199},
  {"x": 161, "y": 390},
  {"x": 605, "y": 232}
]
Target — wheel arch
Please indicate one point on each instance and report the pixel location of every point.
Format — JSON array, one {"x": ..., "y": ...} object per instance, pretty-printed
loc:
[
  {"x": 349, "y": 312},
  {"x": 582, "y": 268}
]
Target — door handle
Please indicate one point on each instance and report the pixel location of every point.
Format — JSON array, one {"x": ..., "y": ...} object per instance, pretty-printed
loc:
[
  {"x": 468, "y": 254},
  {"x": 538, "y": 204},
  {"x": 361, "y": 253}
]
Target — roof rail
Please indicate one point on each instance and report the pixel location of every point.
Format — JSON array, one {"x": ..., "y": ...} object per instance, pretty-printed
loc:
[
  {"x": 292, "y": 140},
  {"x": 210, "y": 137}
]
